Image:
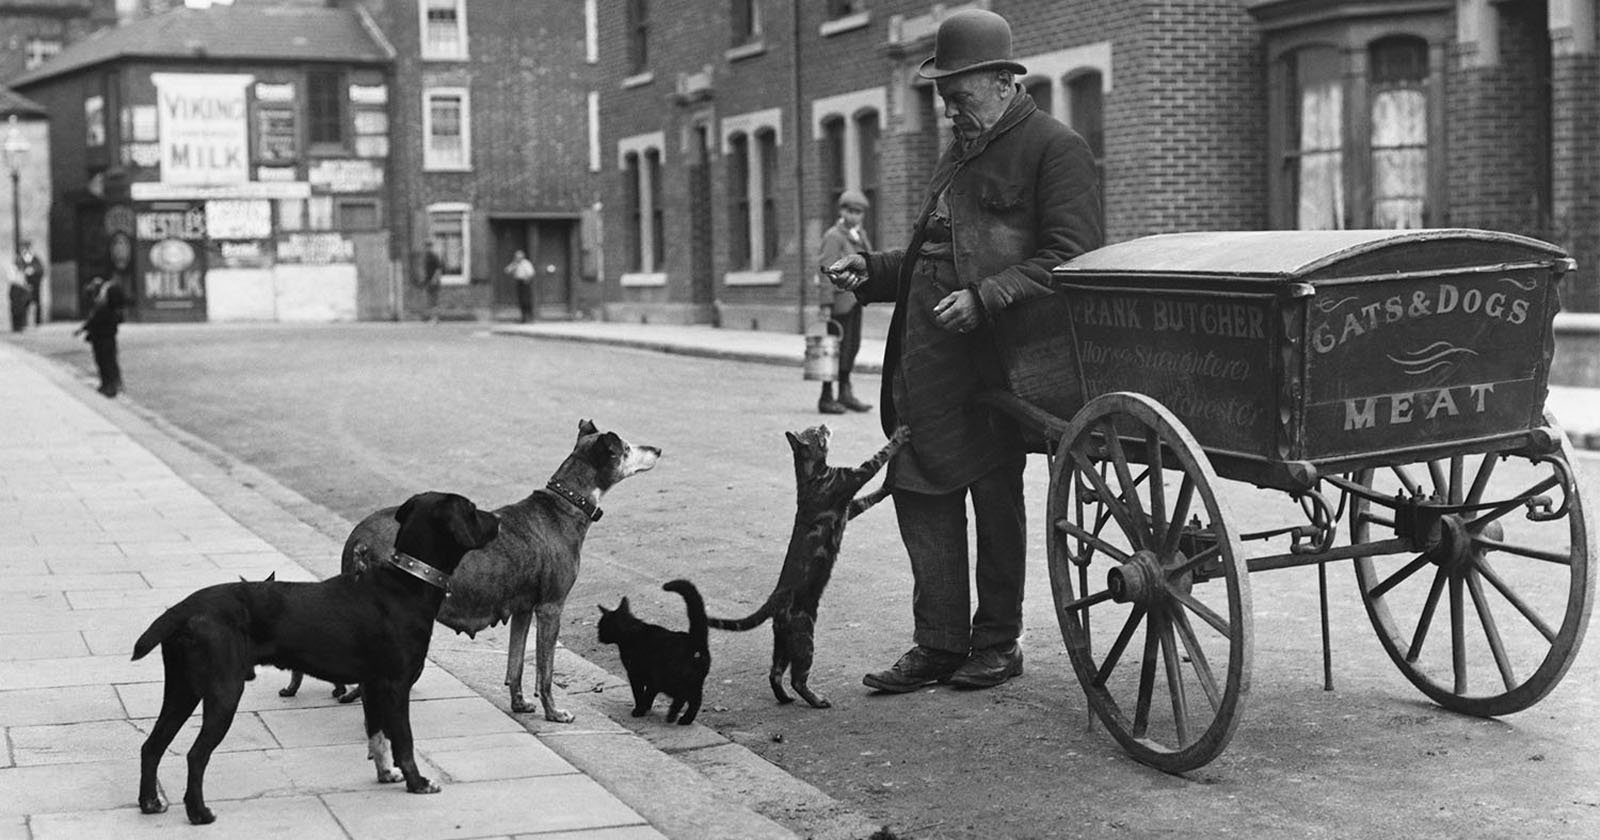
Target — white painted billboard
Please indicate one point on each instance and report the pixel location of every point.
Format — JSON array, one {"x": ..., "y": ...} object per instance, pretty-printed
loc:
[{"x": 204, "y": 127}]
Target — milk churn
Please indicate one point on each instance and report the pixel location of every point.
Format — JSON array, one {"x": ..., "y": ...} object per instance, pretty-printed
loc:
[{"x": 822, "y": 350}]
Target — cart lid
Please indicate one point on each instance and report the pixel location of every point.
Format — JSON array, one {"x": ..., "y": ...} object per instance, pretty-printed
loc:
[{"x": 1310, "y": 254}]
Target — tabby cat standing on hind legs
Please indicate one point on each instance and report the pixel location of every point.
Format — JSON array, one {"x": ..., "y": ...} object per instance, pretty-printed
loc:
[
  {"x": 825, "y": 501},
  {"x": 662, "y": 661}
]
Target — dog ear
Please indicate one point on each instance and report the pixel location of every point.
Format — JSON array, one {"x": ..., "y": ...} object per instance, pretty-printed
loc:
[
  {"x": 465, "y": 528},
  {"x": 402, "y": 513},
  {"x": 586, "y": 428}
]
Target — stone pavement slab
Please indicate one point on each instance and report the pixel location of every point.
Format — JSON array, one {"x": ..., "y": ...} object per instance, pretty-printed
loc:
[{"x": 97, "y": 537}]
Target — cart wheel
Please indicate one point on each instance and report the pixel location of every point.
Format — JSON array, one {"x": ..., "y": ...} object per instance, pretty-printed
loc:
[
  {"x": 1511, "y": 574},
  {"x": 1140, "y": 550}
]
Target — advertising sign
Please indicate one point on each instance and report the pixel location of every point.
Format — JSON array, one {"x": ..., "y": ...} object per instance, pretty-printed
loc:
[{"x": 204, "y": 127}]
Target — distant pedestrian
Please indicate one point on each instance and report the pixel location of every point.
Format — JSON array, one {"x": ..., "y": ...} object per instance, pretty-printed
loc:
[
  {"x": 846, "y": 237},
  {"x": 100, "y": 330},
  {"x": 430, "y": 278},
  {"x": 17, "y": 295},
  {"x": 32, "y": 269},
  {"x": 521, "y": 270}
]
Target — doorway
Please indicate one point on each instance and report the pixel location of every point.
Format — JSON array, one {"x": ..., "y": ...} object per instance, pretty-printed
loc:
[{"x": 549, "y": 244}]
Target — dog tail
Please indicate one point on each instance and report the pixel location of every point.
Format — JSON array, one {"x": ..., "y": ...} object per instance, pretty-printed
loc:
[
  {"x": 164, "y": 626},
  {"x": 697, "y": 611}
]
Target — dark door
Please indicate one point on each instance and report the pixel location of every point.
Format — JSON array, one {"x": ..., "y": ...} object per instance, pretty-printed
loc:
[
  {"x": 510, "y": 236},
  {"x": 552, "y": 263},
  {"x": 700, "y": 267}
]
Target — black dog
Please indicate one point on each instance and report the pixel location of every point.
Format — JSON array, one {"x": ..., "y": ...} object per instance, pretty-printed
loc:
[{"x": 371, "y": 629}]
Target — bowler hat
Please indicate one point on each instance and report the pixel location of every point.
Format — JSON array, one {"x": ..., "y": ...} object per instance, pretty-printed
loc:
[
  {"x": 973, "y": 39},
  {"x": 854, "y": 199}
]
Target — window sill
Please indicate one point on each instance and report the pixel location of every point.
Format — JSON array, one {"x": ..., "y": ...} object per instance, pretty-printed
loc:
[
  {"x": 442, "y": 167},
  {"x": 639, "y": 79},
  {"x": 446, "y": 58},
  {"x": 639, "y": 279},
  {"x": 743, "y": 51},
  {"x": 848, "y": 23},
  {"x": 752, "y": 278}
]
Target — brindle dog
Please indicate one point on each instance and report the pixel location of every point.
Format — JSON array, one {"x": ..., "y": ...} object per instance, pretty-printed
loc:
[{"x": 528, "y": 570}]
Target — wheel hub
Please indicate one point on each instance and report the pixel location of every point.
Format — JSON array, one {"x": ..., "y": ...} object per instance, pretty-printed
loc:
[{"x": 1138, "y": 581}]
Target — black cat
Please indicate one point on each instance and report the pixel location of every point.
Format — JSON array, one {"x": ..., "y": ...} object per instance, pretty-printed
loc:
[
  {"x": 826, "y": 500},
  {"x": 662, "y": 661}
]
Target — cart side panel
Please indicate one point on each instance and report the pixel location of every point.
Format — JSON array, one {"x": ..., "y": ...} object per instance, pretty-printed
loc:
[
  {"x": 1443, "y": 358},
  {"x": 1035, "y": 342},
  {"x": 1207, "y": 357}
]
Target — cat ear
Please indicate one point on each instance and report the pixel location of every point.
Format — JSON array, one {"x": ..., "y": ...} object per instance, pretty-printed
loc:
[
  {"x": 794, "y": 441},
  {"x": 603, "y": 610}
]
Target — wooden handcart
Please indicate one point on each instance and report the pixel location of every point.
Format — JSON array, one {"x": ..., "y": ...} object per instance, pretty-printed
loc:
[{"x": 1391, "y": 383}]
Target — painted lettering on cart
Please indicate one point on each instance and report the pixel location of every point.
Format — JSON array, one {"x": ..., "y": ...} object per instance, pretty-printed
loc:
[
  {"x": 1445, "y": 299},
  {"x": 1228, "y": 320},
  {"x": 1409, "y": 406}
]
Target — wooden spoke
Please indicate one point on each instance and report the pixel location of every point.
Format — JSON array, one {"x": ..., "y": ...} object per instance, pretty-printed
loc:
[
  {"x": 1407, "y": 481},
  {"x": 1206, "y": 614},
  {"x": 1130, "y": 494},
  {"x": 1398, "y": 578},
  {"x": 1197, "y": 658},
  {"x": 1523, "y": 551},
  {"x": 1514, "y": 503},
  {"x": 1110, "y": 501},
  {"x": 1076, "y": 531},
  {"x": 1441, "y": 485},
  {"x": 1180, "y": 705},
  {"x": 1494, "y": 579},
  {"x": 1180, "y": 513},
  {"x": 1088, "y": 601},
  {"x": 1426, "y": 620},
  {"x": 1158, "y": 489},
  {"x": 1147, "y": 681},
  {"x": 1458, "y": 636},
  {"x": 1480, "y": 482},
  {"x": 1491, "y": 631},
  {"x": 1115, "y": 653},
  {"x": 1192, "y": 563}
]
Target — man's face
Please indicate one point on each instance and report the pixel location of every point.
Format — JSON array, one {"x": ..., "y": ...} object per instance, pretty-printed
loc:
[{"x": 972, "y": 102}]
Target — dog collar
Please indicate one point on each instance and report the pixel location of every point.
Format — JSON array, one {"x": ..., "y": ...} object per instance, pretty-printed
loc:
[
  {"x": 579, "y": 501},
  {"x": 420, "y": 570}
]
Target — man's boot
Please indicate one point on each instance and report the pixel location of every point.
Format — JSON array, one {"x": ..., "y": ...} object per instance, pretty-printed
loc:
[
  {"x": 827, "y": 404},
  {"x": 847, "y": 398}
]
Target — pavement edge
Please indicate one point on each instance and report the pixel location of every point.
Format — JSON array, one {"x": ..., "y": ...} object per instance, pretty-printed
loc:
[{"x": 666, "y": 786}]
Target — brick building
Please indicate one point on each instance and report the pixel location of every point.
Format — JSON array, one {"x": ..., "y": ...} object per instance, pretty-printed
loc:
[
  {"x": 33, "y": 31},
  {"x": 728, "y": 127},
  {"x": 494, "y": 148}
]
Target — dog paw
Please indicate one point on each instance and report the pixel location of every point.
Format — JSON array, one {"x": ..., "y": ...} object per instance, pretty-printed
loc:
[
  {"x": 286, "y": 692},
  {"x": 522, "y": 707},
  {"x": 562, "y": 716},
  {"x": 390, "y": 775},
  {"x": 200, "y": 814},
  {"x": 152, "y": 806},
  {"x": 424, "y": 787}
]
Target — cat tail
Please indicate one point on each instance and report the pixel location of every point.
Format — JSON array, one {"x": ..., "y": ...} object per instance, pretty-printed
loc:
[
  {"x": 749, "y": 622},
  {"x": 697, "y": 611}
]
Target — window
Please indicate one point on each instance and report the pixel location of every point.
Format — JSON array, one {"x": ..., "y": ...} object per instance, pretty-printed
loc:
[
  {"x": 447, "y": 130},
  {"x": 444, "y": 29},
  {"x": 324, "y": 108},
  {"x": 94, "y": 121},
  {"x": 1399, "y": 68},
  {"x": 1086, "y": 115},
  {"x": 844, "y": 8},
  {"x": 746, "y": 16},
  {"x": 40, "y": 50},
  {"x": 1315, "y": 158},
  {"x": 633, "y": 200},
  {"x": 447, "y": 226},
  {"x": 359, "y": 214},
  {"x": 658, "y": 218},
  {"x": 767, "y": 146},
  {"x": 638, "y": 36},
  {"x": 848, "y": 128},
  {"x": 739, "y": 201}
]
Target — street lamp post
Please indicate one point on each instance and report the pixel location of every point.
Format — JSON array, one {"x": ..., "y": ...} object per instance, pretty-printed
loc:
[{"x": 15, "y": 148}]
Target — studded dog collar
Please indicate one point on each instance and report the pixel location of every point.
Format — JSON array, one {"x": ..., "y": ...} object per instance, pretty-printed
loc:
[
  {"x": 420, "y": 570},
  {"x": 579, "y": 501}
]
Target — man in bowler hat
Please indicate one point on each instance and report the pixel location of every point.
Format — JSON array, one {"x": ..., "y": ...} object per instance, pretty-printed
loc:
[{"x": 1014, "y": 195}]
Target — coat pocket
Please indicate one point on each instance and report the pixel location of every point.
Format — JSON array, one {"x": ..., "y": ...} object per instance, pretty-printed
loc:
[{"x": 1001, "y": 197}]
